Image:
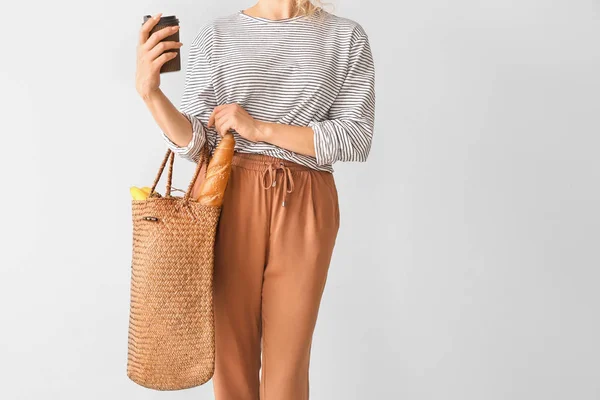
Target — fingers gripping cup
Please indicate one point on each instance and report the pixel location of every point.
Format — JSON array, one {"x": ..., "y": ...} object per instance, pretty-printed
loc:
[{"x": 165, "y": 22}]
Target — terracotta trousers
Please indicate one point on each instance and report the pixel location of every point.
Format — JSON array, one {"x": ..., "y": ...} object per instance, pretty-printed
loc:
[{"x": 276, "y": 234}]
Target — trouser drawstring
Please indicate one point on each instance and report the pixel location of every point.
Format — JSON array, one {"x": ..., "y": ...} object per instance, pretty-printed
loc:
[{"x": 272, "y": 182}]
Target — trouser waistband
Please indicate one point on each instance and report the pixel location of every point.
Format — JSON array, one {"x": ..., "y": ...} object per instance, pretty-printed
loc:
[
  {"x": 269, "y": 166},
  {"x": 260, "y": 162}
]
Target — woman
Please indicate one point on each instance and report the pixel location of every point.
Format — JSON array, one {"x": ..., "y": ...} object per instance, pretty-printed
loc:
[{"x": 295, "y": 85}]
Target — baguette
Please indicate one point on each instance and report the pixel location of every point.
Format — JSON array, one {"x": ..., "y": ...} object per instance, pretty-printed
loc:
[{"x": 212, "y": 189}]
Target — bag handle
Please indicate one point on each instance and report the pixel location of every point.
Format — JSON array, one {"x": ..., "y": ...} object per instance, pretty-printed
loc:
[
  {"x": 202, "y": 163},
  {"x": 170, "y": 157}
]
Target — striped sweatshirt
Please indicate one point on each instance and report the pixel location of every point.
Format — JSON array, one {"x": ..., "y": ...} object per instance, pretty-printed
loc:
[{"x": 315, "y": 71}]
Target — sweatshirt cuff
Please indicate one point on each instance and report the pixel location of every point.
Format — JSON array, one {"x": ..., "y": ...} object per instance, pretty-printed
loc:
[
  {"x": 323, "y": 145},
  {"x": 191, "y": 151}
]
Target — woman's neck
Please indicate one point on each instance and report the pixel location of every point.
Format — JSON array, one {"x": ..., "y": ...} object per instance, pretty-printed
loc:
[{"x": 272, "y": 9}]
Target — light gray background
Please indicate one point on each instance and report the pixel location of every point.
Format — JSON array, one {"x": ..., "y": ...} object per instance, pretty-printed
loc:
[{"x": 467, "y": 265}]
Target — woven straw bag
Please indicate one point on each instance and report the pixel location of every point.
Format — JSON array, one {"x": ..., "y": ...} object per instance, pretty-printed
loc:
[{"x": 171, "y": 321}]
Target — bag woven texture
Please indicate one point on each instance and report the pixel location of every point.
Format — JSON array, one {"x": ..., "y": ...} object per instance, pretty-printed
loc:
[{"x": 171, "y": 321}]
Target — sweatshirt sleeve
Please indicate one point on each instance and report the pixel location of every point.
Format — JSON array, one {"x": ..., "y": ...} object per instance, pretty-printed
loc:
[
  {"x": 197, "y": 102},
  {"x": 347, "y": 132}
]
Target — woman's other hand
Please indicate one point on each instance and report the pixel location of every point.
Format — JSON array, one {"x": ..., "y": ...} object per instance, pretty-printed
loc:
[
  {"x": 233, "y": 117},
  {"x": 151, "y": 55}
]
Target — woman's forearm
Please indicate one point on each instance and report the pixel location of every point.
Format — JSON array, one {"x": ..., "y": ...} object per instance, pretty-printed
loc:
[
  {"x": 174, "y": 124},
  {"x": 299, "y": 139}
]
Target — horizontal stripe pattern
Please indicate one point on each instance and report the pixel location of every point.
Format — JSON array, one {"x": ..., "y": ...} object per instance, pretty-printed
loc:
[{"x": 314, "y": 71}]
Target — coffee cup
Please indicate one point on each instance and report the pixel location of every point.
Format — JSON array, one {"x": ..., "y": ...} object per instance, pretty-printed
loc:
[{"x": 173, "y": 64}]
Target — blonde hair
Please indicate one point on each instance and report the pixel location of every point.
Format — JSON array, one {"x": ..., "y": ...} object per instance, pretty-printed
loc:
[{"x": 307, "y": 7}]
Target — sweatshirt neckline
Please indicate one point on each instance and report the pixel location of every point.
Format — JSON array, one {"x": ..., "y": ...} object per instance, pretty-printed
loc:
[{"x": 271, "y": 21}]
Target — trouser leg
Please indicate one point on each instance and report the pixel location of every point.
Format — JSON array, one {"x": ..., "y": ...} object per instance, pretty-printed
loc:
[
  {"x": 239, "y": 265},
  {"x": 302, "y": 239}
]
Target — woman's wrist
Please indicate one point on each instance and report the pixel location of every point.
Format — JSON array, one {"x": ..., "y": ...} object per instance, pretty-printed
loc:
[
  {"x": 299, "y": 139},
  {"x": 151, "y": 96},
  {"x": 264, "y": 131}
]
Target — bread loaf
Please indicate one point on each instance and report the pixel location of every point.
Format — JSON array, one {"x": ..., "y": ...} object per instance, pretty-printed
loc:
[{"x": 212, "y": 189}]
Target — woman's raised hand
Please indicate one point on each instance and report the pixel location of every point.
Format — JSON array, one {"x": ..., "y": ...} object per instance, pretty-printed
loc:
[{"x": 151, "y": 55}]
